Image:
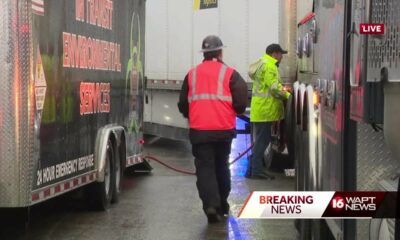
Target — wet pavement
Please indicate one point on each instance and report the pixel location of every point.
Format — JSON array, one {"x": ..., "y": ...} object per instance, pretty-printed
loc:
[{"x": 160, "y": 205}]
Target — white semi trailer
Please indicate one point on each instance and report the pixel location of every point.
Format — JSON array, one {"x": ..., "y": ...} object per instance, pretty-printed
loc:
[{"x": 174, "y": 32}]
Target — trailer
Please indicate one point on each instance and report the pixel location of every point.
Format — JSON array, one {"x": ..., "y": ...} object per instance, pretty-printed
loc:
[
  {"x": 71, "y": 98},
  {"x": 343, "y": 113},
  {"x": 174, "y": 32}
]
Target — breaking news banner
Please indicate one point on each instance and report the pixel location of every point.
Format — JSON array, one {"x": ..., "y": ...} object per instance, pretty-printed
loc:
[{"x": 315, "y": 205}]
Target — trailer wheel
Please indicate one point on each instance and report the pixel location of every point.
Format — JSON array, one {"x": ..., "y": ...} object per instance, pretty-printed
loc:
[
  {"x": 118, "y": 175},
  {"x": 290, "y": 121},
  {"x": 298, "y": 163},
  {"x": 305, "y": 224},
  {"x": 101, "y": 192},
  {"x": 302, "y": 170},
  {"x": 299, "y": 169}
]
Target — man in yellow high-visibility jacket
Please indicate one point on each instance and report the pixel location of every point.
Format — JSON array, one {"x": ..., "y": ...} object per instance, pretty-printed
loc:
[{"x": 268, "y": 96}]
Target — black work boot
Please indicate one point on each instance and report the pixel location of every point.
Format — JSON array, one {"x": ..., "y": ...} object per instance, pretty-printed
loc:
[
  {"x": 212, "y": 215},
  {"x": 225, "y": 208}
]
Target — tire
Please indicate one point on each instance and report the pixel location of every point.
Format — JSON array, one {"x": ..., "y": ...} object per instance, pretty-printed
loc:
[
  {"x": 305, "y": 224},
  {"x": 118, "y": 176},
  {"x": 298, "y": 160},
  {"x": 101, "y": 192},
  {"x": 302, "y": 172},
  {"x": 290, "y": 125},
  {"x": 277, "y": 161},
  {"x": 299, "y": 169},
  {"x": 310, "y": 229}
]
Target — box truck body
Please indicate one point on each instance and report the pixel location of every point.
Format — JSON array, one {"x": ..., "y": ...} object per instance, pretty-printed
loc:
[{"x": 70, "y": 97}]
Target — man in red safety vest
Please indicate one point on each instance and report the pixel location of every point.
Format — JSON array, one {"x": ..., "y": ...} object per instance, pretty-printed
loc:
[{"x": 211, "y": 96}]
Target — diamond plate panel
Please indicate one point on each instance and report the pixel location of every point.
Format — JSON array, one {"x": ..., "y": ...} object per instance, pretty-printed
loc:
[
  {"x": 27, "y": 100},
  {"x": 384, "y": 51},
  {"x": 16, "y": 111},
  {"x": 388, "y": 51},
  {"x": 374, "y": 164}
]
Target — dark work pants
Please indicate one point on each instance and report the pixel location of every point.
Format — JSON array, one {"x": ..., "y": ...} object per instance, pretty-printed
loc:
[{"x": 212, "y": 171}]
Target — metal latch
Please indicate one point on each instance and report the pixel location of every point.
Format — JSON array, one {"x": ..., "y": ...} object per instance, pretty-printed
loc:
[{"x": 331, "y": 94}]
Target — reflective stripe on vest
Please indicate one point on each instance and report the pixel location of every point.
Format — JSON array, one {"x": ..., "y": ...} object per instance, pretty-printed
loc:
[
  {"x": 274, "y": 86},
  {"x": 257, "y": 92},
  {"x": 267, "y": 94},
  {"x": 218, "y": 96},
  {"x": 210, "y": 98},
  {"x": 275, "y": 90}
]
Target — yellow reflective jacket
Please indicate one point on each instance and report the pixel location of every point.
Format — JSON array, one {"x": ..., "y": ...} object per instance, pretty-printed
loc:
[{"x": 268, "y": 94}]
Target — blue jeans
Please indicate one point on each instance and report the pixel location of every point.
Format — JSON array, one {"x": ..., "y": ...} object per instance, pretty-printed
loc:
[{"x": 262, "y": 133}]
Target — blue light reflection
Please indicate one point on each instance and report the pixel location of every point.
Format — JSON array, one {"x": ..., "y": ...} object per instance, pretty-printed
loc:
[{"x": 239, "y": 145}]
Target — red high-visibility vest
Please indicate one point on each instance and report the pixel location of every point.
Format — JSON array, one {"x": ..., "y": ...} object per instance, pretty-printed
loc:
[{"x": 210, "y": 98}]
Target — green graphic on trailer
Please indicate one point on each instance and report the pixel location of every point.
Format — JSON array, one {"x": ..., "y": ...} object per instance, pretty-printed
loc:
[{"x": 134, "y": 75}]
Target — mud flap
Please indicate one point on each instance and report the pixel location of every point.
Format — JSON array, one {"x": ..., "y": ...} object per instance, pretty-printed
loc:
[
  {"x": 14, "y": 219},
  {"x": 144, "y": 167}
]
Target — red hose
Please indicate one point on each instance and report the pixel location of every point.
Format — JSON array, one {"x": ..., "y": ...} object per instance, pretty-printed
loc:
[
  {"x": 241, "y": 155},
  {"x": 169, "y": 166},
  {"x": 189, "y": 172}
]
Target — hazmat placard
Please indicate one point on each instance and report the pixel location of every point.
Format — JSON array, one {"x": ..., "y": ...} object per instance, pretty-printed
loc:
[
  {"x": 205, "y": 4},
  {"x": 40, "y": 83}
]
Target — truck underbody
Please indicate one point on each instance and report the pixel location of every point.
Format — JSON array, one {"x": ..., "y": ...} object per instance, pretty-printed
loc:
[{"x": 343, "y": 108}]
